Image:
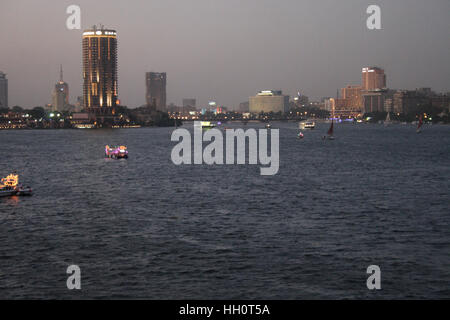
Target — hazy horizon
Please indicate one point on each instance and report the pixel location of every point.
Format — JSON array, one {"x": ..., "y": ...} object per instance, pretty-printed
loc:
[{"x": 227, "y": 50}]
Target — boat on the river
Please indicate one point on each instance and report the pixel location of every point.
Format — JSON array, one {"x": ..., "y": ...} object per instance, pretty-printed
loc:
[
  {"x": 331, "y": 131},
  {"x": 10, "y": 186},
  {"x": 419, "y": 125},
  {"x": 388, "y": 120},
  {"x": 204, "y": 125},
  {"x": 306, "y": 125},
  {"x": 120, "y": 152}
]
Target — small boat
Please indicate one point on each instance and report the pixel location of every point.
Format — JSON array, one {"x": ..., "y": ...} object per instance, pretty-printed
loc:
[
  {"x": 24, "y": 191},
  {"x": 419, "y": 125},
  {"x": 330, "y": 131},
  {"x": 116, "y": 152},
  {"x": 10, "y": 186},
  {"x": 306, "y": 125},
  {"x": 205, "y": 125},
  {"x": 388, "y": 120}
]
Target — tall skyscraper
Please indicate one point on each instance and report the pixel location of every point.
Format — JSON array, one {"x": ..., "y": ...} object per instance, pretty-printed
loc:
[
  {"x": 100, "y": 89},
  {"x": 373, "y": 78},
  {"x": 3, "y": 90},
  {"x": 60, "y": 94},
  {"x": 156, "y": 89}
]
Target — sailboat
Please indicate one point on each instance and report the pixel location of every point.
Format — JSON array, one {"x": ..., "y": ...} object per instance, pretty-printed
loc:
[
  {"x": 419, "y": 126},
  {"x": 330, "y": 131},
  {"x": 388, "y": 119}
]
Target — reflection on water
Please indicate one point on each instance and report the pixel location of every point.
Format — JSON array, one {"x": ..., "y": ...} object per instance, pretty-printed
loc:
[{"x": 12, "y": 201}]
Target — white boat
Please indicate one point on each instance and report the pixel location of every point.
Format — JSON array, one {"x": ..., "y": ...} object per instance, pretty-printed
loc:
[
  {"x": 204, "y": 125},
  {"x": 306, "y": 125}
]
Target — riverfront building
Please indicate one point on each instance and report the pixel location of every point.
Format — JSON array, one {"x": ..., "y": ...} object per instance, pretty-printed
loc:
[
  {"x": 100, "y": 89},
  {"x": 269, "y": 101}
]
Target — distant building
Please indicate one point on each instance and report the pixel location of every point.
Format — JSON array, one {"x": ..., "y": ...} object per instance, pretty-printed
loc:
[
  {"x": 82, "y": 120},
  {"x": 212, "y": 105},
  {"x": 441, "y": 101},
  {"x": 79, "y": 104},
  {"x": 356, "y": 100},
  {"x": 301, "y": 100},
  {"x": 244, "y": 107},
  {"x": 174, "y": 108},
  {"x": 220, "y": 110},
  {"x": 353, "y": 95},
  {"x": 373, "y": 78},
  {"x": 100, "y": 89},
  {"x": 155, "y": 83},
  {"x": 374, "y": 101},
  {"x": 3, "y": 90},
  {"x": 189, "y": 103},
  {"x": 269, "y": 101},
  {"x": 60, "y": 97},
  {"x": 350, "y": 103},
  {"x": 389, "y": 104},
  {"x": 409, "y": 101}
]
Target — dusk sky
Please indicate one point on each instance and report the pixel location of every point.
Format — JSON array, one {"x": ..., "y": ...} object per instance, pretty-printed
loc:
[{"x": 227, "y": 50}]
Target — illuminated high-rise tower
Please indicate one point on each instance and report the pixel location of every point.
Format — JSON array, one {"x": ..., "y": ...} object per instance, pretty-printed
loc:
[
  {"x": 60, "y": 94},
  {"x": 100, "y": 71}
]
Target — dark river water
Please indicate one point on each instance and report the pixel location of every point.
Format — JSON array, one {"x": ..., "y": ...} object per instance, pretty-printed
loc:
[{"x": 145, "y": 228}]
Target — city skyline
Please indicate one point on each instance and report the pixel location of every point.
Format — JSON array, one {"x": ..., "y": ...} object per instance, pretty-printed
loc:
[{"x": 210, "y": 67}]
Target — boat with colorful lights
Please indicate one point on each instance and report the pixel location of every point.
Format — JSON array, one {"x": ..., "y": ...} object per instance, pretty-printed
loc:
[
  {"x": 120, "y": 152},
  {"x": 10, "y": 186}
]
